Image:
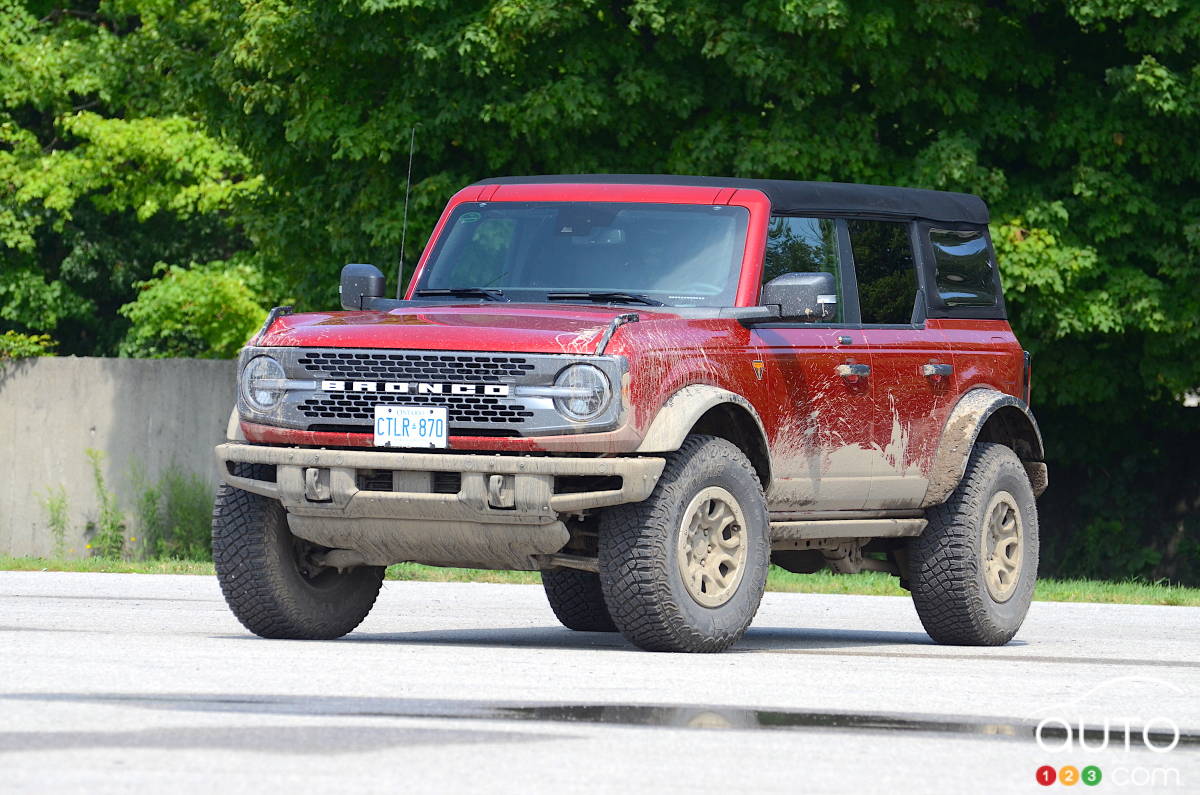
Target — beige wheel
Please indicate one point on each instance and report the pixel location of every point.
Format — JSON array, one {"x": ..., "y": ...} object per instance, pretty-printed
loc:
[
  {"x": 684, "y": 570},
  {"x": 973, "y": 571},
  {"x": 1002, "y": 547},
  {"x": 712, "y": 546}
]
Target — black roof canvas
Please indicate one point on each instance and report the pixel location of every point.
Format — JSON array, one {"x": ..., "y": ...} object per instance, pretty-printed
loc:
[{"x": 798, "y": 198}]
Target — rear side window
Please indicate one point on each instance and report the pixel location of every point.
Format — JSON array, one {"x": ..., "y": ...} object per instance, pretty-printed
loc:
[
  {"x": 803, "y": 245},
  {"x": 887, "y": 276},
  {"x": 964, "y": 271}
]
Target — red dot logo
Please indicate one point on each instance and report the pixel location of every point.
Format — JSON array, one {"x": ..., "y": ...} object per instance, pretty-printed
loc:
[{"x": 1046, "y": 775}]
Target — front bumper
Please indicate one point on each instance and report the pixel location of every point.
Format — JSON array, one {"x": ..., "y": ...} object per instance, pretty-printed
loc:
[{"x": 505, "y": 509}]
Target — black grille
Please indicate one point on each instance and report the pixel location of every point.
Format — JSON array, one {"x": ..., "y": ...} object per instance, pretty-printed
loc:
[
  {"x": 373, "y": 480},
  {"x": 447, "y": 482},
  {"x": 359, "y": 407},
  {"x": 461, "y": 368}
]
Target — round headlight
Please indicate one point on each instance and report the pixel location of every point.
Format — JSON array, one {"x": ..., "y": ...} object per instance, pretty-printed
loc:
[
  {"x": 590, "y": 392},
  {"x": 262, "y": 396}
]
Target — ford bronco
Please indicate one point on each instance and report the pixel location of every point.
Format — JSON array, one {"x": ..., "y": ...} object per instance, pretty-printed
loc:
[{"x": 649, "y": 389}]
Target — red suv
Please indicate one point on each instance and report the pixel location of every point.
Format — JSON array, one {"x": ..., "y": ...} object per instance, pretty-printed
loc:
[{"x": 649, "y": 388}]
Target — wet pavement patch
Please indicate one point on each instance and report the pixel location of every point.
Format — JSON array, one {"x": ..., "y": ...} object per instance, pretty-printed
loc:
[
  {"x": 300, "y": 740},
  {"x": 698, "y": 717}
]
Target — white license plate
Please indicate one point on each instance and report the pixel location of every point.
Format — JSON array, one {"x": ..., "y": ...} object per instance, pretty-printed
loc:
[{"x": 410, "y": 426}]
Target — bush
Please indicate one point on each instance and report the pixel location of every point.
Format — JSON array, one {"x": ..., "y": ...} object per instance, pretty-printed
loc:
[
  {"x": 107, "y": 531},
  {"x": 14, "y": 345},
  {"x": 205, "y": 312},
  {"x": 175, "y": 515}
]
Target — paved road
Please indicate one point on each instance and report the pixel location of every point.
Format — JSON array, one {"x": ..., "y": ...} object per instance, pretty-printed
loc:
[{"x": 133, "y": 682}]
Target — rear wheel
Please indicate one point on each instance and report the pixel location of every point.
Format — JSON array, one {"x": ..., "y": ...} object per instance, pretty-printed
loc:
[
  {"x": 685, "y": 569},
  {"x": 577, "y": 600},
  {"x": 973, "y": 570},
  {"x": 270, "y": 581}
]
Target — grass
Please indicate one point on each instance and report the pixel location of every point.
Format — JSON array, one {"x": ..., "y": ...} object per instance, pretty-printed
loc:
[
  {"x": 826, "y": 582},
  {"x": 107, "y": 565}
]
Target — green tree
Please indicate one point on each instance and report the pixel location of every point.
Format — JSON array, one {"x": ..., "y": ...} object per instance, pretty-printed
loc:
[
  {"x": 206, "y": 311},
  {"x": 100, "y": 176},
  {"x": 274, "y": 134}
]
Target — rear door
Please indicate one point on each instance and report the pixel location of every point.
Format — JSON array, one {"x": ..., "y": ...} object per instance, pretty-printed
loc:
[
  {"x": 911, "y": 366},
  {"x": 968, "y": 306},
  {"x": 819, "y": 422}
]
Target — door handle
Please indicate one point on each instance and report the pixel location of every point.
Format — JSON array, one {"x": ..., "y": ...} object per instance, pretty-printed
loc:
[
  {"x": 853, "y": 370},
  {"x": 935, "y": 370}
]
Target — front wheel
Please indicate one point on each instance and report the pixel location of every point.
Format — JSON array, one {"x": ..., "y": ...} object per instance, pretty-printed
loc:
[
  {"x": 685, "y": 569},
  {"x": 973, "y": 569},
  {"x": 268, "y": 577}
]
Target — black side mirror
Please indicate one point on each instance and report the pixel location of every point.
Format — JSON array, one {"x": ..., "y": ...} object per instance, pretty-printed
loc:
[
  {"x": 802, "y": 296},
  {"x": 359, "y": 283}
]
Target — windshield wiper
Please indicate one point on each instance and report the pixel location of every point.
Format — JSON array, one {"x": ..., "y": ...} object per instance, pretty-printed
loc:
[
  {"x": 614, "y": 298},
  {"x": 464, "y": 292}
]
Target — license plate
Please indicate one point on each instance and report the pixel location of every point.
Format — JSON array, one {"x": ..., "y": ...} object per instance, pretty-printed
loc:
[{"x": 410, "y": 426}]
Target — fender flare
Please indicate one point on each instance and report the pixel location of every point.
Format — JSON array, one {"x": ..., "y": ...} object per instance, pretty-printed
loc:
[
  {"x": 679, "y": 414},
  {"x": 962, "y": 430}
]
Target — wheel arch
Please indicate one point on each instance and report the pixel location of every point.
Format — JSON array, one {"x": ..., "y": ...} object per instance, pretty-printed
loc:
[
  {"x": 985, "y": 415},
  {"x": 704, "y": 409}
]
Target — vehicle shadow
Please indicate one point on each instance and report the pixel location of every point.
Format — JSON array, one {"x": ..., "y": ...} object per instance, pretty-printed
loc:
[{"x": 552, "y": 637}]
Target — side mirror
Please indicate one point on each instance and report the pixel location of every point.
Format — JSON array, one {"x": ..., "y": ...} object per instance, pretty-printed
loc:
[
  {"x": 802, "y": 296},
  {"x": 359, "y": 283}
]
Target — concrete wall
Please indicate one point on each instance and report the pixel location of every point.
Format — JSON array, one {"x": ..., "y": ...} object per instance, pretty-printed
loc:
[{"x": 147, "y": 412}]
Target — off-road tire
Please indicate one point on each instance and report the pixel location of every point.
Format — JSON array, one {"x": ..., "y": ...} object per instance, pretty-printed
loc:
[
  {"x": 946, "y": 568},
  {"x": 577, "y": 601},
  {"x": 262, "y": 581},
  {"x": 639, "y": 571}
]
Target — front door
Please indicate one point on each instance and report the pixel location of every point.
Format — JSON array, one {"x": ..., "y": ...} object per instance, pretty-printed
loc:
[
  {"x": 911, "y": 365},
  {"x": 820, "y": 420}
]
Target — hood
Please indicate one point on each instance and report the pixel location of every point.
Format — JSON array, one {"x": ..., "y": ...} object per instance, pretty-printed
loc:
[{"x": 520, "y": 328}]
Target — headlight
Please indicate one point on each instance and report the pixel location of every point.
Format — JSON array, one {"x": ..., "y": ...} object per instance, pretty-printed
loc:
[
  {"x": 590, "y": 392},
  {"x": 257, "y": 386}
]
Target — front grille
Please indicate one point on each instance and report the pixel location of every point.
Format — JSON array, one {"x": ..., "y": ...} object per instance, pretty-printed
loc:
[
  {"x": 306, "y": 406},
  {"x": 463, "y": 368},
  {"x": 354, "y": 408},
  {"x": 463, "y": 411}
]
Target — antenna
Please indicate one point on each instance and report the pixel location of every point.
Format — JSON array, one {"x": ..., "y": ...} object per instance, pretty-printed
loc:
[{"x": 412, "y": 141}]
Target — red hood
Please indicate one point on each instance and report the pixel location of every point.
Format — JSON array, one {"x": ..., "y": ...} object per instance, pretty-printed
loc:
[{"x": 520, "y": 328}]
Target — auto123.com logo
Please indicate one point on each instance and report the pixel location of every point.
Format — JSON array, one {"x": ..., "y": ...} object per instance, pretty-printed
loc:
[{"x": 1097, "y": 746}]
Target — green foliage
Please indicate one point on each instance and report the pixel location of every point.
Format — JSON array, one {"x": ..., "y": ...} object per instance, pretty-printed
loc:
[
  {"x": 95, "y": 190},
  {"x": 107, "y": 531},
  {"x": 175, "y": 515},
  {"x": 23, "y": 346},
  {"x": 54, "y": 503},
  {"x": 205, "y": 311},
  {"x": 270, "y": 137}
]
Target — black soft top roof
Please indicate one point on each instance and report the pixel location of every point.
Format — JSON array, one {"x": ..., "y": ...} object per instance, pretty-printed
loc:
[{"x": 795, "y": 198}]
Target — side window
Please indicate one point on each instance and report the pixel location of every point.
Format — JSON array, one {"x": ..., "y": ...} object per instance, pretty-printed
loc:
[
  {"x": 887, "y": 276},
  {"x": 803, "y": 245},
  {"x": 965, "y": 273}
]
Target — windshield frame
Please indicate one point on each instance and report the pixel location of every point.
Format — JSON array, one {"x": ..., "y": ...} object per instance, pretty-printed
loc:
[{"x": 753, "y": 201}]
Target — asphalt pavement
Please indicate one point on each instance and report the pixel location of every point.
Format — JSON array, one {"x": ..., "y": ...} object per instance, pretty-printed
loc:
[{"x": 114, "y": 683}]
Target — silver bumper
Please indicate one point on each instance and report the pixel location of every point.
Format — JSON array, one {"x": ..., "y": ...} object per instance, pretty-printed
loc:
[
  {"x": 505, "y": 511},
  {"x": 495, "y": 488}
]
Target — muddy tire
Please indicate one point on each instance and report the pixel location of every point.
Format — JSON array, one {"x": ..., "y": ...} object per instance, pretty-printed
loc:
[
  {"x": 685, "y": 569},
  {"x": 973, "y": 569},
  {"x": 577, "y": 601},
  {"x": 262, "y": 569}
]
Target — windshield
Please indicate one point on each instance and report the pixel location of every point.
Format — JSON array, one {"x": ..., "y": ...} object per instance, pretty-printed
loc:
[{"x": 670, "y": 254}]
